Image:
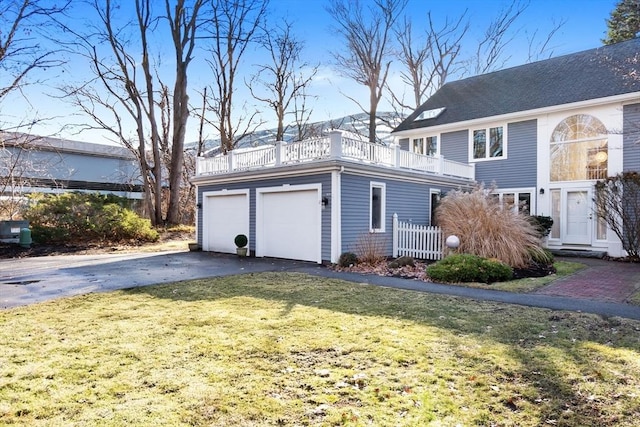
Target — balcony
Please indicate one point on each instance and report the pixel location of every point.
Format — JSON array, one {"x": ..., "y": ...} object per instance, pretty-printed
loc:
[{"x": 333, "y": 147}]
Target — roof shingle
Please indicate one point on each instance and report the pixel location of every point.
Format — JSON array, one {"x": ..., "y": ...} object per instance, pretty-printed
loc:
[{"x": 596, "y": 73}]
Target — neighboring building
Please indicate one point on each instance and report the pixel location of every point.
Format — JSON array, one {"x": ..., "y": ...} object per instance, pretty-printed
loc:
[
  {"x": 30, "y": 164},
  {"x": 542, "y": 133}
]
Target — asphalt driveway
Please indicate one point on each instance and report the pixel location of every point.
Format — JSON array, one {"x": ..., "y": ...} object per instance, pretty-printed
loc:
[{"x": 30, "y": 280}]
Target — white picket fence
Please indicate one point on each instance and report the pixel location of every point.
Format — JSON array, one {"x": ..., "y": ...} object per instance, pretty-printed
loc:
[{"x": 417, "y": 241}]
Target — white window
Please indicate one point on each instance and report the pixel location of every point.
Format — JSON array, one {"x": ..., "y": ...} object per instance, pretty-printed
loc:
[
  {"x": 579, "y": 149},
  {"x": 516, "y": 200},
  {"x": 555, "y": 214},
  {"x": 488, "y": 143},
  {"x": 377, "y": 207},
  {"x": 434, "y": 201},
  {"x": 427, "y": 146}
]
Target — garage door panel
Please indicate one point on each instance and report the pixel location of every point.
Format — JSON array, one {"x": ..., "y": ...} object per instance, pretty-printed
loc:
[
  {"x": 291, "y": 225},
  {"x": 226, "y": 216}
]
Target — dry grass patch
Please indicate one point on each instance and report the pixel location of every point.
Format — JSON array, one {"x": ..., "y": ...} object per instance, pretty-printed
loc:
[
  {"x": 489, "y": 229},
  {"x": 291, "y": 349}
]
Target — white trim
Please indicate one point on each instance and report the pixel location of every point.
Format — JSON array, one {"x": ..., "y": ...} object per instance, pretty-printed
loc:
[
  {"x": 336, "y": 218},
  {"x": 517, "y": 191},
  {"x": 424, "y": 138},
  {"x": 260, "y": 192},
  {"x": 383, "y": 206},
  {"x": 487, "y": 128},
  {"x": 433, "y": 191}
]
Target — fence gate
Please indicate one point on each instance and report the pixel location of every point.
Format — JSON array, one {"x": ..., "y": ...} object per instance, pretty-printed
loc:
[{"x": 416, "y": 241}]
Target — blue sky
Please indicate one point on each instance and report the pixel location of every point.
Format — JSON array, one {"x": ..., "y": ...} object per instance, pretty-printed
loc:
[{"x": 584, "y": 28}]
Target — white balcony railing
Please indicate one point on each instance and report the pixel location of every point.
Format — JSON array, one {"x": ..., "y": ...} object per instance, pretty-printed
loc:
[{"x": 334, "y": 146}]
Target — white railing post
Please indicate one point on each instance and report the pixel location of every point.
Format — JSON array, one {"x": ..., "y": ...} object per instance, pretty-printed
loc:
[
  {"x": 230, "y": 160},
  {"x": 396, "y": 157},
  {"x": 441, "y": 164},
  {"x": 279, "y": 153},
  {"x": 335, "y": 139},
  {"x": 395, "y": 235}
]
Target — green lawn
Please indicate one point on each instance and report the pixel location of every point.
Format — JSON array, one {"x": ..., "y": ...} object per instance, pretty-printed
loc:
[{"x": 291, "y": 349}]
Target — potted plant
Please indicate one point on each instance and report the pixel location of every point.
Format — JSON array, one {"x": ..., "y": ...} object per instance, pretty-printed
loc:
[{"x": 241, "y": 243}]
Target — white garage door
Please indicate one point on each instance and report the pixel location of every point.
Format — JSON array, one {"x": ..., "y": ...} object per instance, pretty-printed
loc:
[
  {"x": 225, "y": 215},
  {"x": 289, "y": 223}
]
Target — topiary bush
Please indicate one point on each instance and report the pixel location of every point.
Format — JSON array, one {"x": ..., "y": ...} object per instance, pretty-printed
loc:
[
  {"x": 82, "y": 217},
  {"x": 460, "y": 268},
  {"x": 347, "y": 259},
  {"x": 241, "y": 240}
]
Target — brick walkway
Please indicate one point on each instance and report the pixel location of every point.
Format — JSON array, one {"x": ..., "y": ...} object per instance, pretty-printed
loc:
[{"x": 602, "y": 280}]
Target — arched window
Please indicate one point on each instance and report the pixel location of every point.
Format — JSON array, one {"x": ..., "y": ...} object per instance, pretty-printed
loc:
[{"x": 579, "y": 149}]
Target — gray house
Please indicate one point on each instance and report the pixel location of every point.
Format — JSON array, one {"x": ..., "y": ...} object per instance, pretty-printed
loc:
[
  {"x": 314, "y": 199},
  {"x": 543, "y": 133}
]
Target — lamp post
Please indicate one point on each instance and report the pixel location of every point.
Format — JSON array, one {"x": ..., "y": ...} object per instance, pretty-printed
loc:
[{"x": 452, "y": 243}]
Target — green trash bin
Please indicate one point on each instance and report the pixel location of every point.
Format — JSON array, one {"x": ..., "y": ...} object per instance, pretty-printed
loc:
[{"x": 25, "y": 238}]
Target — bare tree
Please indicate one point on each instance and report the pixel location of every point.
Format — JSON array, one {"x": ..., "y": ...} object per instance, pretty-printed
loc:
[
  {"x": 20, "y": 53},
  {"x": 617, "y": 203},
  {"x": 119, "y": 95},
  {"x": 184, "y": 26},
  {"x": 283, "y": 78},
  {"x": 366, "y": 33},
  {"x": 542, "y": 49},
  {"x": 234, "y": 26},
  {"x": 428, "y": 62},
  {"x": 490, "y": 51},
  {"x": 301, "y": 117}
]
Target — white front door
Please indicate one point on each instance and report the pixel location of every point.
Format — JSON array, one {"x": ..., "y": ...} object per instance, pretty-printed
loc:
[{"x": 578, "y": 214}]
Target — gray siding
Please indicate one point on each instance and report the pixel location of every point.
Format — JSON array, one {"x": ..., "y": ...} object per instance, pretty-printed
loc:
[
  {"x": 324, "y": 179},
  {"x": 409, "y": 200},
  {"x": 404, "y": 144},
  {"x": 519, "y": 168},
  {"x": 630, "y": 138},
  {"x": 78, "y": 167},
  {"x": 455, "y": 146}
]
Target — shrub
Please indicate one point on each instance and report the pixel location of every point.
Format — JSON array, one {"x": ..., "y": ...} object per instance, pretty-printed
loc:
[
  {"x": 403, "y": 261},
  {"x": 618, "y": 204},
  {"x": 347, "y": 259},
  {"x": 370, "y": 248},
  {"x": 543, "y": 256},
  {"x": 469, "y": 268},
  {"x": 241, "y": 240},
  {"x": 81, "y": 217},
  {"x": 486, "y": 229},
  {"x": 542, "y": 224}
]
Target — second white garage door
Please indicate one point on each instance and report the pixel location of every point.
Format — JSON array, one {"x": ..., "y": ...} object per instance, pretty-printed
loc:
[{"x": 288, "y": 222}]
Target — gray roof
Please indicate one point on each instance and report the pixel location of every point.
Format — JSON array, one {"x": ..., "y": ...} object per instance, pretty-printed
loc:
[{"x": 596, "y": 73}]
